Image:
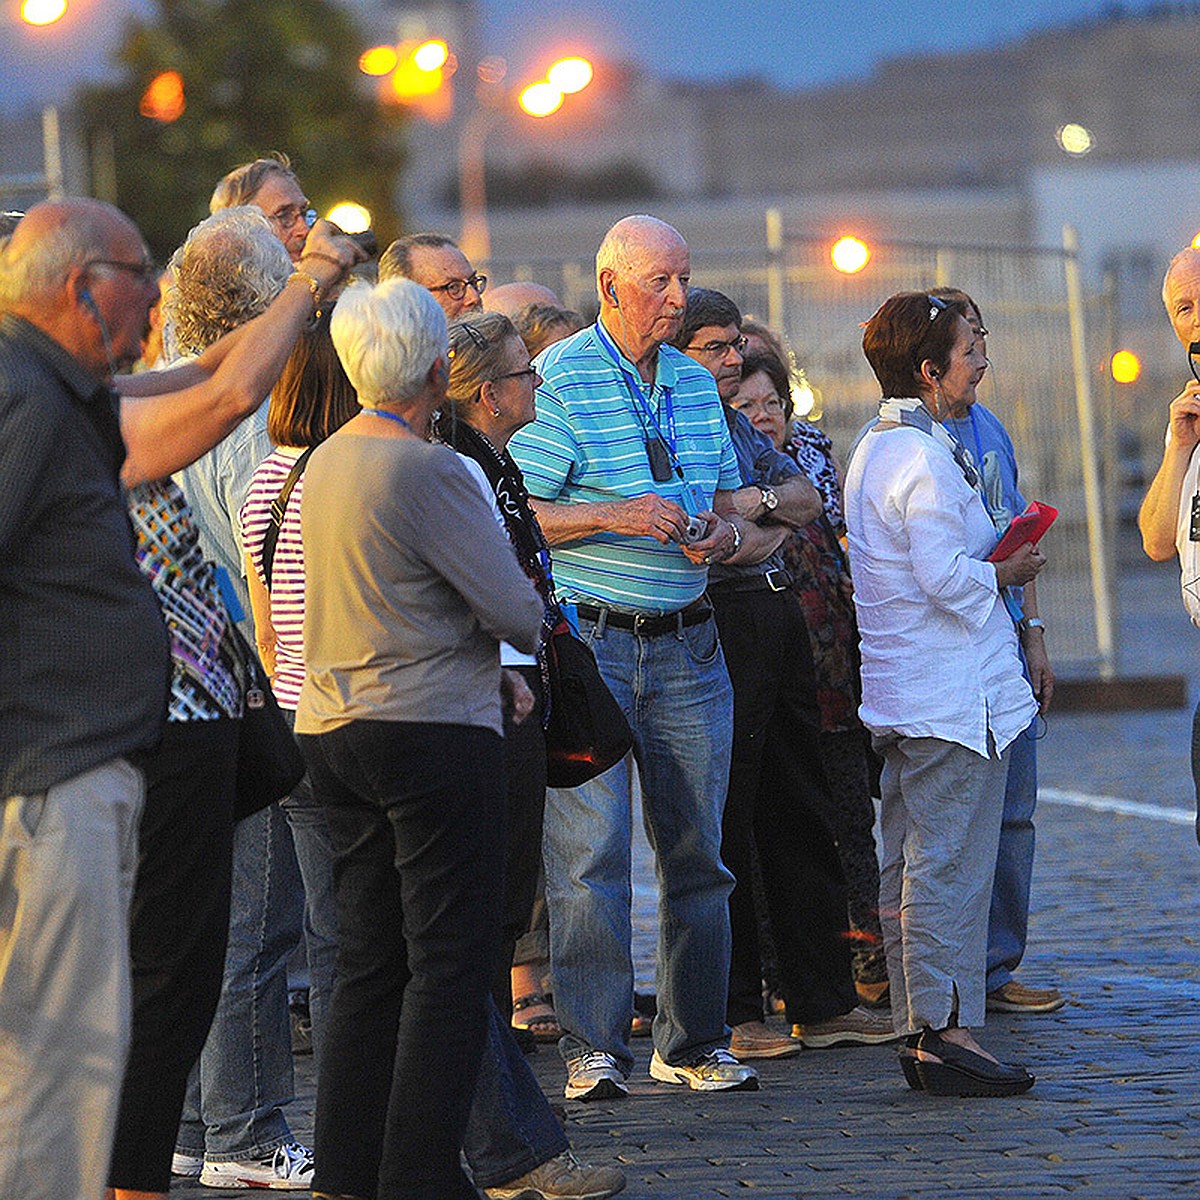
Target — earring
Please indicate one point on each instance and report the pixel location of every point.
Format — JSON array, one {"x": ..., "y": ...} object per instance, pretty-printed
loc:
[{"x": 495, "y": 412}]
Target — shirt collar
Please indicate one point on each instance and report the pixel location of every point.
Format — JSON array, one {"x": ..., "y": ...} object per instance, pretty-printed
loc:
[
  {"x": 81, "y": 382},
  {"x": 665, "y": 371}
]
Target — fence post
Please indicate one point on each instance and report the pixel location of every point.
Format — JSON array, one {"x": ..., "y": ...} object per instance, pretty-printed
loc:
[
  {"x": 1097, "y": 549},
  {"x": 52, "y": 153},
  {"x": 775, "y": 271}
]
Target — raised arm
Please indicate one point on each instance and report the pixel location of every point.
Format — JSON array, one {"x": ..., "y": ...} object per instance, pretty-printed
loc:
[{"x": 1158, "y": 517}]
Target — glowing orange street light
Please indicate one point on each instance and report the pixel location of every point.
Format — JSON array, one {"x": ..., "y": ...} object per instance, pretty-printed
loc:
[
  {"x": 431, "y": 56},
  {"x": 163, "y": 100},
  {"x": 541, "y": 99},
  {"x": 350, "y": 217},
  {"x": 570, "y": 75},
  {"x": 42, "y": 12},
  {"x": 378, "y": 61},
  {"x": 1126, "y": 366},
  {"x": 849, "y": 255}
]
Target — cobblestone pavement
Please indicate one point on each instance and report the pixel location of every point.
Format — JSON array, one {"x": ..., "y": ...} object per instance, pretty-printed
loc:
[{"x": 1115, "y": 1109}]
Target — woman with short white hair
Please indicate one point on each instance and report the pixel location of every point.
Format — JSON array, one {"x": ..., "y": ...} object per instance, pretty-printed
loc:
[{"x": 410, "y": 587}]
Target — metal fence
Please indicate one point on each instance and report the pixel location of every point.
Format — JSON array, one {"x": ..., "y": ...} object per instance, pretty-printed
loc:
[{"x": 1047, "y": 343}]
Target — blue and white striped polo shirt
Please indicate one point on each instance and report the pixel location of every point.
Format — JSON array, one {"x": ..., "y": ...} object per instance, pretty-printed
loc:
[{"x": 588, "y": 444}]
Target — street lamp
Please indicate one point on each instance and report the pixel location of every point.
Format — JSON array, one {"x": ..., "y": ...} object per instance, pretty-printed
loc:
[
  {"x": 850, "y": 254},
  {"x": 41, "y": 13},
  {"x": 418, "y": 74}
]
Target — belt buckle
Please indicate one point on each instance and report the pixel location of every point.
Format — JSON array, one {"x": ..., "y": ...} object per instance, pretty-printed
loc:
[{"x": 770, "y": 575}]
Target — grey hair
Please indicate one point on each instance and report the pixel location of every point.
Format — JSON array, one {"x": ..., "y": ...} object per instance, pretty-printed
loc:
[
  {"x": 229, "y": 270},
  {"x": 396, "y": 261},
  {"x": 388, "y": 336},
  {"x": 243, "y": 183},
  {"x": 614, "y": 253},
  {"x": 38, "y": 270}
]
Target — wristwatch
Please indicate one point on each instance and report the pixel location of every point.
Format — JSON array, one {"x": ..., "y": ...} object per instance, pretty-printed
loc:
[
  {"x": 770, "y": 500},
  {"x": 1027, "y": 623}
]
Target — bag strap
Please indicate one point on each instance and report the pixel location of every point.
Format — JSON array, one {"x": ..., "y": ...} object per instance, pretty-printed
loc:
[{"x": 278, "y": 509}]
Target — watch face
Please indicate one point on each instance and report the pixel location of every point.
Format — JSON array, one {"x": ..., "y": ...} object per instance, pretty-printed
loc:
[{"x": 769, "y": 498}]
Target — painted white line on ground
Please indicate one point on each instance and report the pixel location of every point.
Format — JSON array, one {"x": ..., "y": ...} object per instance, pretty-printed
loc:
[{"x": 1129, "y": 808}]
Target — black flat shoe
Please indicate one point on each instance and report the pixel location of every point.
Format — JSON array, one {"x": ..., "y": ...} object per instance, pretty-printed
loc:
[
  {"x": 962, "y": 1072},
  {"x": 908, "y": 1062}
]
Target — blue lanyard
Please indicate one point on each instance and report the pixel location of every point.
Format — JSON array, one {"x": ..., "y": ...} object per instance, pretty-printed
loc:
[
  {"x": 391, "y": 416},
  {"x": 634, "y": 385}
]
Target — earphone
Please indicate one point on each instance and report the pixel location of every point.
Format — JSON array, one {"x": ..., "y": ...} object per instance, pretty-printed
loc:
[
  {"x": 89, "y": 302},
  {"x": 612, "y": 295}
]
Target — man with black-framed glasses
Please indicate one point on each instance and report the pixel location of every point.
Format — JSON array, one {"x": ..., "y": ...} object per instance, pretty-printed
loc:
[{"x": 439, "y": 266}]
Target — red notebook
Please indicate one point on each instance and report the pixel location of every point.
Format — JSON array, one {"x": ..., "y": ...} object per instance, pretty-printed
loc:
[{"x": 1028, "y": 527}]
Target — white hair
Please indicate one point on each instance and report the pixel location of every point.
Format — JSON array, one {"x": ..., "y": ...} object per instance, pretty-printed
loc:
[
  {"x": 1188, "y": 252},
  {"x": 388, "y": 336},
  {"x": 229, "y": 270}
]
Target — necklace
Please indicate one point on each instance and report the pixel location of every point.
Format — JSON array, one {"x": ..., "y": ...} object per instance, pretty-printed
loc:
[{"x": 391, "y": 416}]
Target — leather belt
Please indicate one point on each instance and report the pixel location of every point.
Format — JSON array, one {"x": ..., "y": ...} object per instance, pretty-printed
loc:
[
  {"x": 648, "y": 624},
  {"x": 776, "y": 580}
]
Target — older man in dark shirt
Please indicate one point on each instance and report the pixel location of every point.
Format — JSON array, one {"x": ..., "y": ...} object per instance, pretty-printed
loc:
[{"x": 83, "y": 676}]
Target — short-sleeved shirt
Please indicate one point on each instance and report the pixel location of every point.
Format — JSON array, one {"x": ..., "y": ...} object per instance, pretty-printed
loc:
[
  {"x": 83, "y": 648},
  {"x": 588, "y": 445}
]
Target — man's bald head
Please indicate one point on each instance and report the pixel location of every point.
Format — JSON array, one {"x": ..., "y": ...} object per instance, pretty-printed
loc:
[
  {"x": 512, "y": 298},
  {"x": 1181, "y": 295},
  {"x": 632, "y": 236}
]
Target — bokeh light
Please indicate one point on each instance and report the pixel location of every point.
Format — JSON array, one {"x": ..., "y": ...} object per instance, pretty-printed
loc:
[
  {"x": 1075, "y": 139},
  {"x": 570, "y": 75},
  {"x": 429, "y": 56},
  {"x": 850, "y": 255},
  {"x": 1126, "y": 366},
  {"x": 164, "y": 100},
  {"x": 379, "y": 60},
  {"x": 42, "y": 12},
  {"x": 350, "y": 217},
  {"x": 541, "y": 99}
]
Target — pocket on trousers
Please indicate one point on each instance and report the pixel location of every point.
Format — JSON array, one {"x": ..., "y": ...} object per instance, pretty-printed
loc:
[{"x": 702, "y": 642}]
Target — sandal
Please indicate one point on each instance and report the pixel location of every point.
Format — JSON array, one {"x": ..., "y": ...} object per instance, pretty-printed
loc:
[{"x": 544, "y": 1028}]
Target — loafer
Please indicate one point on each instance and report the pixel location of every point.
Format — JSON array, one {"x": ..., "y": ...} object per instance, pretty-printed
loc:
[
  {"x": 753, "y": 1039},
  {"x": 1014, "y": 997},
  {"x": 962, "y": 1072}
]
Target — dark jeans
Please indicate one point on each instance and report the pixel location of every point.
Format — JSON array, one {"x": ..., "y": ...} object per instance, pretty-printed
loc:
[
  {"x": 525, "y": 770},
  {"x": 777, "y": 790},
  {"x": 416, "y": 815},
  {"x": 179, "y": 924}
]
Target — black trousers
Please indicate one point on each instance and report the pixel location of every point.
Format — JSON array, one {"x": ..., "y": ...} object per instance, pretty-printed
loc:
[
  {"x": 179, "y": 925},
  {"x": 525, "y": 768},
  {"x": 776, "y": 792}
]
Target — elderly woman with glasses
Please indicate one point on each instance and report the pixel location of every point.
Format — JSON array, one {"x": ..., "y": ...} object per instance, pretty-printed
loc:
[
  {"x": 821, "y": 580},
  {"x": 943, "y": 691},
  {"x": 491, "y": 394}
]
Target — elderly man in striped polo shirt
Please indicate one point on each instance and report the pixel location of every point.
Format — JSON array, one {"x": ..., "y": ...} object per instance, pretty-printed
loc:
[{"x": 631, "y": 469}]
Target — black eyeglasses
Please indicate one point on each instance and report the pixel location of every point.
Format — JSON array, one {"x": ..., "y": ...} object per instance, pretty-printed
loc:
[
  {"x": 722, "y": 348},
  {"x": 146, "y": 271},
  {"x": 530, "y": 370},
  {"x": 291, "y": 213},
  {"x": 481, "y": 343},
  {"x": 456, "y": 289}
]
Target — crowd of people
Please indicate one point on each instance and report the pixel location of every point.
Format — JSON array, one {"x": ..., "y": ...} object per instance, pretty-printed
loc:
[{"x": 381, "y": 488}]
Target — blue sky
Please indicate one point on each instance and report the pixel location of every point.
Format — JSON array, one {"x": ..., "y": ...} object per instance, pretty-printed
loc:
[{"x": 794, "y": 43}]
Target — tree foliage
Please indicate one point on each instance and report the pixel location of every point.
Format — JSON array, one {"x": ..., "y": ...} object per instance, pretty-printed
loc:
[{"x": 258, "y": 75}]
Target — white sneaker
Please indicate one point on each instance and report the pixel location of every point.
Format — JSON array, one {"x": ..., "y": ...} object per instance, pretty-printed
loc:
[
  {"x": 594, "y": 1076},
  {"x": 186, "y": 1166},
  {"x": 716, "y": 1072},
  {"x": 289, "y": 1167}
]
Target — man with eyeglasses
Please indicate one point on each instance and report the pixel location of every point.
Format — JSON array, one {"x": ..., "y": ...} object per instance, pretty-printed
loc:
[
  {"x": 776, "y": 779},
  {"x": 271, "y": 185},
  {"x": 440, "y": 267}
]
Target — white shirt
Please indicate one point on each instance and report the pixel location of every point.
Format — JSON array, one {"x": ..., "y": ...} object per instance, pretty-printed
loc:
[
  {"x": 939, "y": 651},
  {"x": 1189, "y": 551}
]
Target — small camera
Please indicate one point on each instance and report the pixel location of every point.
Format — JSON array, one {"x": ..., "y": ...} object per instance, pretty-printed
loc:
[{"x": 696, "y": 529}]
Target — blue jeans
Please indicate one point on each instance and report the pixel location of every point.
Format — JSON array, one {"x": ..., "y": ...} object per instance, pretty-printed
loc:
[
  {"x": 511, "y": 1129},
  {"x": 244, "y": 1076},
  {"x": 676, "y": 693},
  {"x": 314, "y": 854},
  {"x": 1008, "y": 917}
]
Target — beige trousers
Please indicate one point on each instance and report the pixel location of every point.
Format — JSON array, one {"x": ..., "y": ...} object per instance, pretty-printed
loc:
[{"x": 68, "y": 858}]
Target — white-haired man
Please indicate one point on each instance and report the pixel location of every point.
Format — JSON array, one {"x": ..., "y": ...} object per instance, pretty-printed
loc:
[
  {"x": 632, "y": 471},
  {"x": 1169, "y": 519}
]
